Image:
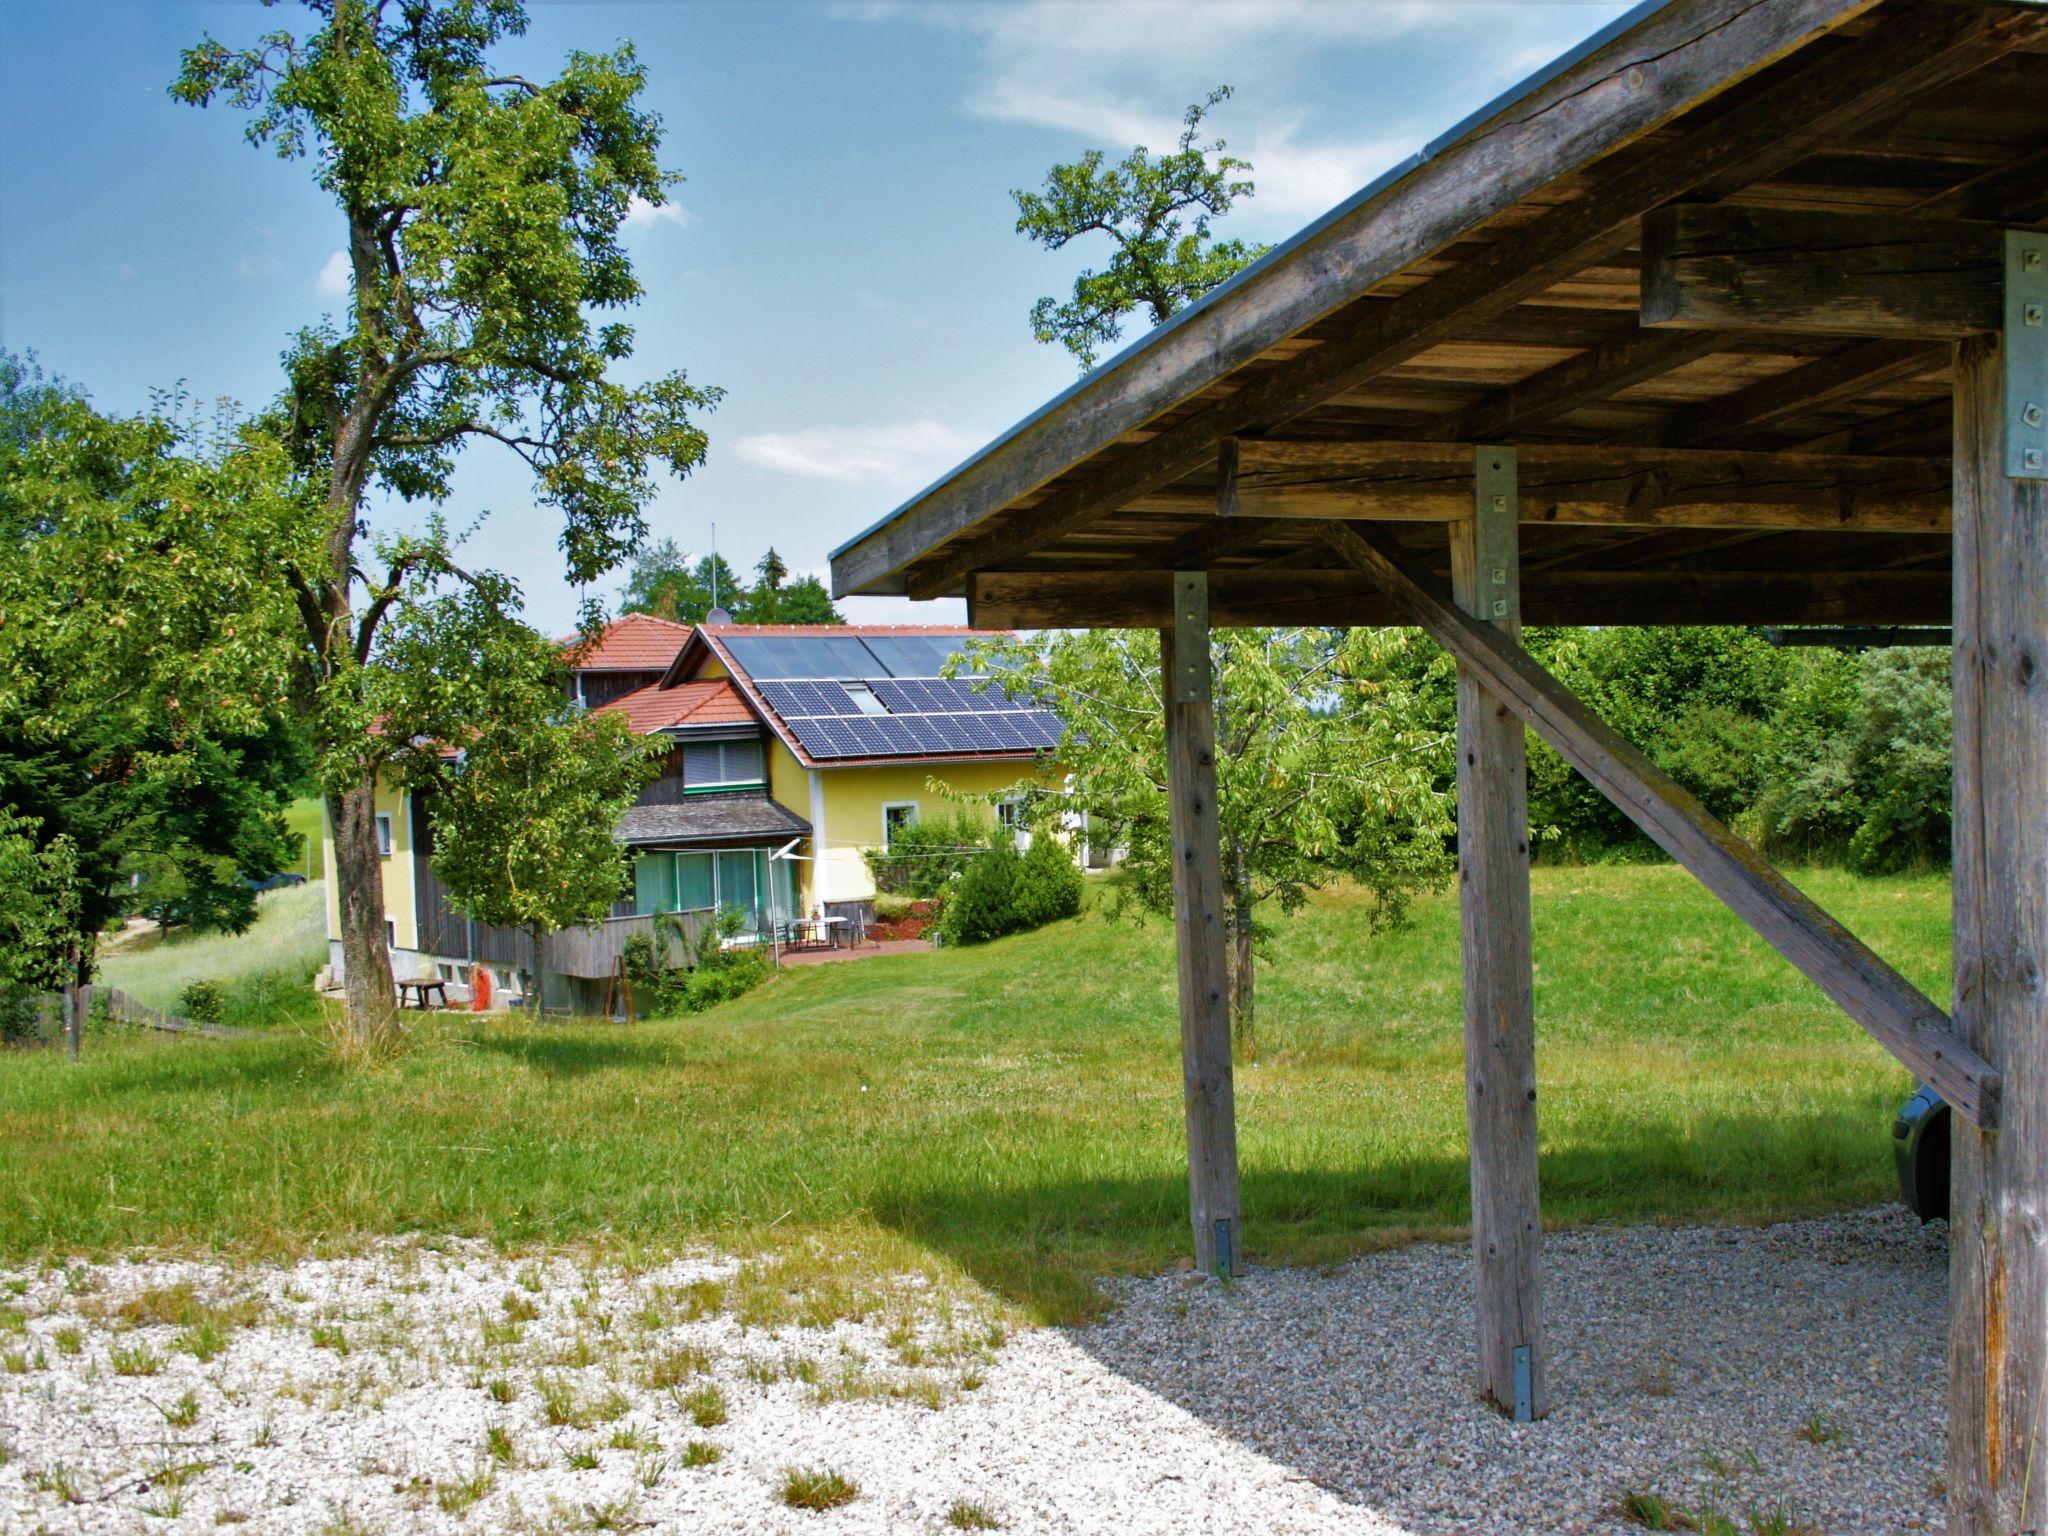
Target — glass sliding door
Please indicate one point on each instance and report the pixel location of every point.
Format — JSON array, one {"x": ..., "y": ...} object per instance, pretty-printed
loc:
[
  {"x": 695, "y": 882},
  {"x": 654, "y": 883},
  {"x": 739, "y": 884}
]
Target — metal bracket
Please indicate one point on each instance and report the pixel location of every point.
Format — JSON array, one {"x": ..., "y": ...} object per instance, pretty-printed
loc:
[
  {"x": 2025, "y": 354},
  {"x": 1497, "y": 507},
  {"x": 1225, "y": 1269},
  {"x": 1525, "y": 1386},
  {"x": 1190, "y": 637}
]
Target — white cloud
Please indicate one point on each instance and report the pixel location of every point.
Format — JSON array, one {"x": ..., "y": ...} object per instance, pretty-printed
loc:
[
  {"x": 641, "y": 214},
  {"x": 1120, "y": 75},
  {"x": 900, "y": 453},
  {"x": 333, "y": 280}
]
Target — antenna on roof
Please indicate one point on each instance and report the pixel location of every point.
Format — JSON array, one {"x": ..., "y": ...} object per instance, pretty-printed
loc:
[{"x": 715, "y": 614}]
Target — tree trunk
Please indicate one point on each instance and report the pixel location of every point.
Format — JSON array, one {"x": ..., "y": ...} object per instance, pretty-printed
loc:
[
  {"x": 540, "y": 976},
  {"x": 367, "y": 986}
]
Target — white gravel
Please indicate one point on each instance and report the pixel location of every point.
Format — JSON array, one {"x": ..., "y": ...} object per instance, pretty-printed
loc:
[{"x": 1790, "y": 1371}]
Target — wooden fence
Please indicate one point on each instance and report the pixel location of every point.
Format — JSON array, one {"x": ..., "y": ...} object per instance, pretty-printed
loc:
[
  {"x": 593, "y": 952},
  {"x": 112, "y": 1002}
]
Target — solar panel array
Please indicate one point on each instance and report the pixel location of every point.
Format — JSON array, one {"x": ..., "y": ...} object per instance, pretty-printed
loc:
[{"x": 903, "y": 708}]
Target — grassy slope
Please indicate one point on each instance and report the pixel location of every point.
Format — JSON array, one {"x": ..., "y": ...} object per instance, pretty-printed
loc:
[
  {"x": 1015, "y": 1109},
  {"x": 267, "y": 971}
]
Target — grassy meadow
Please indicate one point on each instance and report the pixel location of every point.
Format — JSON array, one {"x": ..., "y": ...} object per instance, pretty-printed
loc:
[
  {"x": 1009, "y": 1113},
  {"x": 266, "y": 972}
]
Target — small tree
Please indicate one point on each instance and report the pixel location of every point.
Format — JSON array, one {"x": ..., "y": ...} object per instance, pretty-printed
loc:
[
  {"x": 1163, "y": 259},
  {"x": 480, "y": 213},
  {"x": 524, "y": 807},
  {"x": 1324, "y": 770}
]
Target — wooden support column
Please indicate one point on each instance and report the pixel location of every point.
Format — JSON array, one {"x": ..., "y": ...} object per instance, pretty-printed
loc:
[
  {"x": 1998, "y": 1234},
  {"x": 1500, "y": 1022},
  {"x": 1198, "y": 925}
]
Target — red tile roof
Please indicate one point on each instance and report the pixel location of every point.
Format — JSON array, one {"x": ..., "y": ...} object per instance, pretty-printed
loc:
[
  {"x": 710, "y": 701},
  {"x": 634, "y": 642},
  {"x": 859, "y": 631}
]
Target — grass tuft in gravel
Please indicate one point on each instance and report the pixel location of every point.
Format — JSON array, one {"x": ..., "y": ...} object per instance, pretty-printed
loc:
[
  {"x": 1822, "y": 1429},
  {"x": 673, "y": 1367},
  {"x": 817, "y": 1488},
  {"x": 1651, "y": 1512},
  {"x": 457, "y": 1496},
  {"x": 965, "y": 1515},
  {"x": 134, "y": 1360},
  {"x": 702, "y": 1453},
  {"x": 705, "y": 1406}
]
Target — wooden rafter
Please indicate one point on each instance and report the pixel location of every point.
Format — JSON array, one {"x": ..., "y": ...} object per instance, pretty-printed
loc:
[{"x": 1592, "y": 484}]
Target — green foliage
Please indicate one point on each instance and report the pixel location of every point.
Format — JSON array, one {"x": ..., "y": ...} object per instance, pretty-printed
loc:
[
  {"x": 716, "y": 974},
  {"x": 925, "y": 858},
  {"x": 141, "y": 696},
  {"x": 39, "y": 901},
  {"x": 662, "y": 581},
  {"x": 1330, "y": 764},
  {"x": 1003, "y": 892},
  {"x": 203, "y": 1000},
  {"x": 522, "y": 819},
  {"x": 1048, "y": 883},
  {"x": 1163, "y": 258},
  {"x": 481, "y": 212},
  {"x": 983, "y": 904},
  {"x": 1812, "y": 753}
]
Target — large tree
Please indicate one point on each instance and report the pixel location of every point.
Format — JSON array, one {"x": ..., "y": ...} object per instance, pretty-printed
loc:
[
  {"x": 479, "y": 213},
  {"x": 143, "y": 701},
  {"x": 1155, "y": 213},
  {"x": 1325, "y": 770}
]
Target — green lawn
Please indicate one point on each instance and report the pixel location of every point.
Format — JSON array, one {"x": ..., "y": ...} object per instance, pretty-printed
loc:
[
  {"x": 1011, "y": 1112},
  {"x": 266, "y": 972}
]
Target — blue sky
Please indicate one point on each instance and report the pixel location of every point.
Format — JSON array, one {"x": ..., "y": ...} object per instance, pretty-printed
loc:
[{"x": 841, "y": 259}]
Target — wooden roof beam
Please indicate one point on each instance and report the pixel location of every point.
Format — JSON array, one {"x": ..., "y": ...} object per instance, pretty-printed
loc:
[
  {"x": 1924, "y": 48},
  {"x": 1122, "y": 598},
  {"x": 1591, "y": 484}
]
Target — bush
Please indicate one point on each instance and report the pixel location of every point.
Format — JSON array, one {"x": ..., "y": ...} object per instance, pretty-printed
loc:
[
  {"x": 1002, "y": 892},
  {"x": 203, "y": 1001},
  {"x": 983, "y": 903},
  {"x": 924, "y": 860},
  {"x": 1048, "y": 883},
  {"x": 716, "y": 975}
]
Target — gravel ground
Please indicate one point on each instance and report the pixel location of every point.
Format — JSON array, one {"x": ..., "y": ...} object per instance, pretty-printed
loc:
[{"x": 1787, "y": 1377}]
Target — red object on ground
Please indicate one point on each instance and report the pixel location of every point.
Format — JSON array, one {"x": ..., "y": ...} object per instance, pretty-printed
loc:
[
  {"x": 913, "y": 923},
  {"x": 479, "y": 989}
]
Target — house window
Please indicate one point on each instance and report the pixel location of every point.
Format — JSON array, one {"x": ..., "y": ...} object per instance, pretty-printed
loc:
[
  {"x": 896, "y": 816},
  {"x": 722, "y": 764},
  {"x": 1010, "y": 817},
  {"x": 391, "y": 933},
  {"x": 383, "y": 834}
]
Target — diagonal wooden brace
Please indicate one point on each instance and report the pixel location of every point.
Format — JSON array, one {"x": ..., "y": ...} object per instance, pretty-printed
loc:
[{"x": 1903, "y": 1019}]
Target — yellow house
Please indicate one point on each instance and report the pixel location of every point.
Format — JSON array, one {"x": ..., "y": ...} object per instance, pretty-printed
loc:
[{"x": 793, "y": 750}]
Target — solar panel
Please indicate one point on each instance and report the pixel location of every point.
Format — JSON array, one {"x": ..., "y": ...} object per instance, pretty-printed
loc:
[
  {"x": 793, "y": 699},
  {"x": 926, "y": 717}
]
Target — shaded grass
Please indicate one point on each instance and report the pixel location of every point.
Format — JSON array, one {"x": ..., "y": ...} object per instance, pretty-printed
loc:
[
  {"x": 1012, "y": 1112},
  {"x": 266, "y": 974}
]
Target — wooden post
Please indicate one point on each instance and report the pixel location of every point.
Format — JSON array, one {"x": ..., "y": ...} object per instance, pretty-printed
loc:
[
  {"x": 1998, "y": 1243},
  {"x": 1500, "y": 1023},
  {"x": 1198, "y": 925}
]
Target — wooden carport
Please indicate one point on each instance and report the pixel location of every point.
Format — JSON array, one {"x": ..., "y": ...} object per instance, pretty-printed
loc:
[{"x": 1733, "y": 315}]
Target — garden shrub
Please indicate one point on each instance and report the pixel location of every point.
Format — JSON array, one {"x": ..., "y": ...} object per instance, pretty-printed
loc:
[
  {"x": 1004, "y": 892},
  {"x": 203, "y": 1001},
  {"x": 717, "y": 974},
  {"x": 1048, "y": 883}
]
